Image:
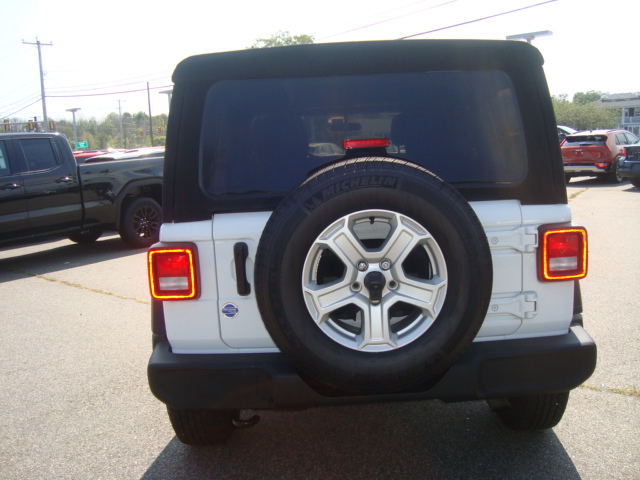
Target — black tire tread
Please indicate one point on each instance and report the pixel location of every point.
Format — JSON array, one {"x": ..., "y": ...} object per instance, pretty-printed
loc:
[
  {"x": 201, "y": 427},
  {"x": 89, "y": 235},
  {"x": 614, "y": 176},
  {"x": 534, "y": 412},
  {"x": 127, "y": 232},
  {"x": 285, "y": 337}
]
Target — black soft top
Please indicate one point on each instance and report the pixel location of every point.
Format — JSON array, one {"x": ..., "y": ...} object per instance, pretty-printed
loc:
[
  {"x": 185, "y": 198},
  {"x": 372, "y": 57}
]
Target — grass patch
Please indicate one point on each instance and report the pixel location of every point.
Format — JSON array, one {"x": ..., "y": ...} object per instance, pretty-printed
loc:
[{"x": 579, "y": 192}]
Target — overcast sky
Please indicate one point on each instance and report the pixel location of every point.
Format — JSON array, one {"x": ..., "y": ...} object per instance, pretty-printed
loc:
[{"x": 119, "y": 46}]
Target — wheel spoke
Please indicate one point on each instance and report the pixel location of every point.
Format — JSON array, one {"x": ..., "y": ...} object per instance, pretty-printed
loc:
[
  {"x": 329, "y": 298},
  {"x": 375, "y": 328},
  {"x": 145, "y": 222},
  {"x": 344, "y": 244},
  {"x": 427, "y": 295},
  {"x": 402, "y": 241}
]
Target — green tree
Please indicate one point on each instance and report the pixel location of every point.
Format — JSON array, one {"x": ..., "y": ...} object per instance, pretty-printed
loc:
[
  {"x": 282, "y": 39},
  {"x": 588, "y": 116},
  {"x": 583, "y": 98},
  {"x": 66, "y": 128}
]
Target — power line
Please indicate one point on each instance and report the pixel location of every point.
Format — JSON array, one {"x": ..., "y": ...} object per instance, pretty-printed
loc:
[
  {"x": 28, "y": 98},
  {"x": 107, "y": 93},
  {"x": 18, "y": 111},
  {"x": 80, "y": 92},
  {"x": 477, "y": 20},
  {"x": 160, "y": 75},
  {"x": 49, "y": 95},
  {"x": 61, "y": 90},
  {"x": 391, "y": 19},
  {"x": 23, "y": 86}
]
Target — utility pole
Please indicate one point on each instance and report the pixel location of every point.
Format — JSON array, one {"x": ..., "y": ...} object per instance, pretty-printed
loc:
[
  {"x": 120, "y": 117},
  {"x": 45, "y": 122},
  {"x": 150, "y": 118},
  {"x": 75, "y": 130}
]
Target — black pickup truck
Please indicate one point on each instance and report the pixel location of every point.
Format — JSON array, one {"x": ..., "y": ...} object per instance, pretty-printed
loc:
[{"x": 45, "y": 193}]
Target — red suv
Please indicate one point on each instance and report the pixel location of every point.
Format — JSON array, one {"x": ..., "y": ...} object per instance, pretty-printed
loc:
[{"x": 595, "y": 153}]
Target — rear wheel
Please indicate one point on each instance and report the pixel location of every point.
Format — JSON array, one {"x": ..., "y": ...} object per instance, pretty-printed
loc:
[
  {"x": 533, "y": 412},
  {"x": 201, "y": 427},
  {"x": 614, "y": 174},
  {"x": 141, "y": 221},
  {"x": 635, "y": 182}
]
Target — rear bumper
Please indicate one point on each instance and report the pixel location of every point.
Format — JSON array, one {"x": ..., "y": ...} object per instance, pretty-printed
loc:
[
  {"x": 269, "y": 381},
  {"x": 585, "y": 169},
  {"x": 629, "y": 169}
]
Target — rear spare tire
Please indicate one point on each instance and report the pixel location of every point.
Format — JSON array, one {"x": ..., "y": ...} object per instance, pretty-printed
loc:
[{"x": 373, "y": 276}]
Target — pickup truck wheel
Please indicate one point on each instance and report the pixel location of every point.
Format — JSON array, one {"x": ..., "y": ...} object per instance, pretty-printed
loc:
[
  {"x": 141, "y": 222},
  {"x": 534, "y": 412},
  {"x": 373, "y": 276},
  {"x": 201, "y": 427},
  {"x": 88, "y": 235}
]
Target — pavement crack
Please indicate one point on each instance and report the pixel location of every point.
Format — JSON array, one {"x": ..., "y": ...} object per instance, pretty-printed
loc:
[
  {"x": 76, "y": 285},
  {"x": 626, "y": 391}
]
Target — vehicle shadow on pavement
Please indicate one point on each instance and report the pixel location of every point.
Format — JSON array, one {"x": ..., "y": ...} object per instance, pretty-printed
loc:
[
  {"x": 418, "y": 440},
  {"x": 589, "y": 182},
  {"x": 55, "y": 256}
]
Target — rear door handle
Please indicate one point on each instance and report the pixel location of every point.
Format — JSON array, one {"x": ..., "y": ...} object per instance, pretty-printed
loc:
[
  {"x": 9, "y": 186},
  {"x": 240, "y": 254}
]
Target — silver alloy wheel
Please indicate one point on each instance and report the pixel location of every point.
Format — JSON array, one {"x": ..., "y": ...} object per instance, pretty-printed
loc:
[{"x": 374, "y": 280}]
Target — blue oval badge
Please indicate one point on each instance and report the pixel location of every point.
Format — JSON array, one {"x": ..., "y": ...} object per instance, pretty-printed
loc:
[{"x": 230, "y": 310}]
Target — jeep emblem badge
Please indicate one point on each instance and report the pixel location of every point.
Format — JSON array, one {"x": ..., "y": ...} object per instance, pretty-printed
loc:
[{"x": 230, "y": 310}]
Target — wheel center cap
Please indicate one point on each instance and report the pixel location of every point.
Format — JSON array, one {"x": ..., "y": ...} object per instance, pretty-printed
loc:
[{"x": 375, "y": 283}]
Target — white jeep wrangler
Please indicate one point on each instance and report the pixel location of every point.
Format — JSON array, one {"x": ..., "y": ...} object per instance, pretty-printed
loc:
[{"x": 364, "y": 222}]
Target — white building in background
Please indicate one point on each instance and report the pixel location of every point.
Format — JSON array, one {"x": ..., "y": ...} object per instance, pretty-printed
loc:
[{"x": 629, "y": 106}]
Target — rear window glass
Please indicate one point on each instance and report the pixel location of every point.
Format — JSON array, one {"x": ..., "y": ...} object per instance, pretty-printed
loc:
[
  {"x": 4, "y": 161},
  {"x": 585, "y": 140},
  {"x": 265, "y": 136},
  {"x": 39, "y": 154}
]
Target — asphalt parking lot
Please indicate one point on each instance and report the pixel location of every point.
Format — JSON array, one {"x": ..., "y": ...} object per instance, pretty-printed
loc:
[{"x": 75, "y": 402}]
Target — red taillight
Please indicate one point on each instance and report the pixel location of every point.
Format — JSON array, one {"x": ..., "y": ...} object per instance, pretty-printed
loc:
[
  {"x": 563, "y": 254},
  {"x": 623, "y": 152},
  {"x": 366, "y": 143},
  {"x": 172, "y": 273}
]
